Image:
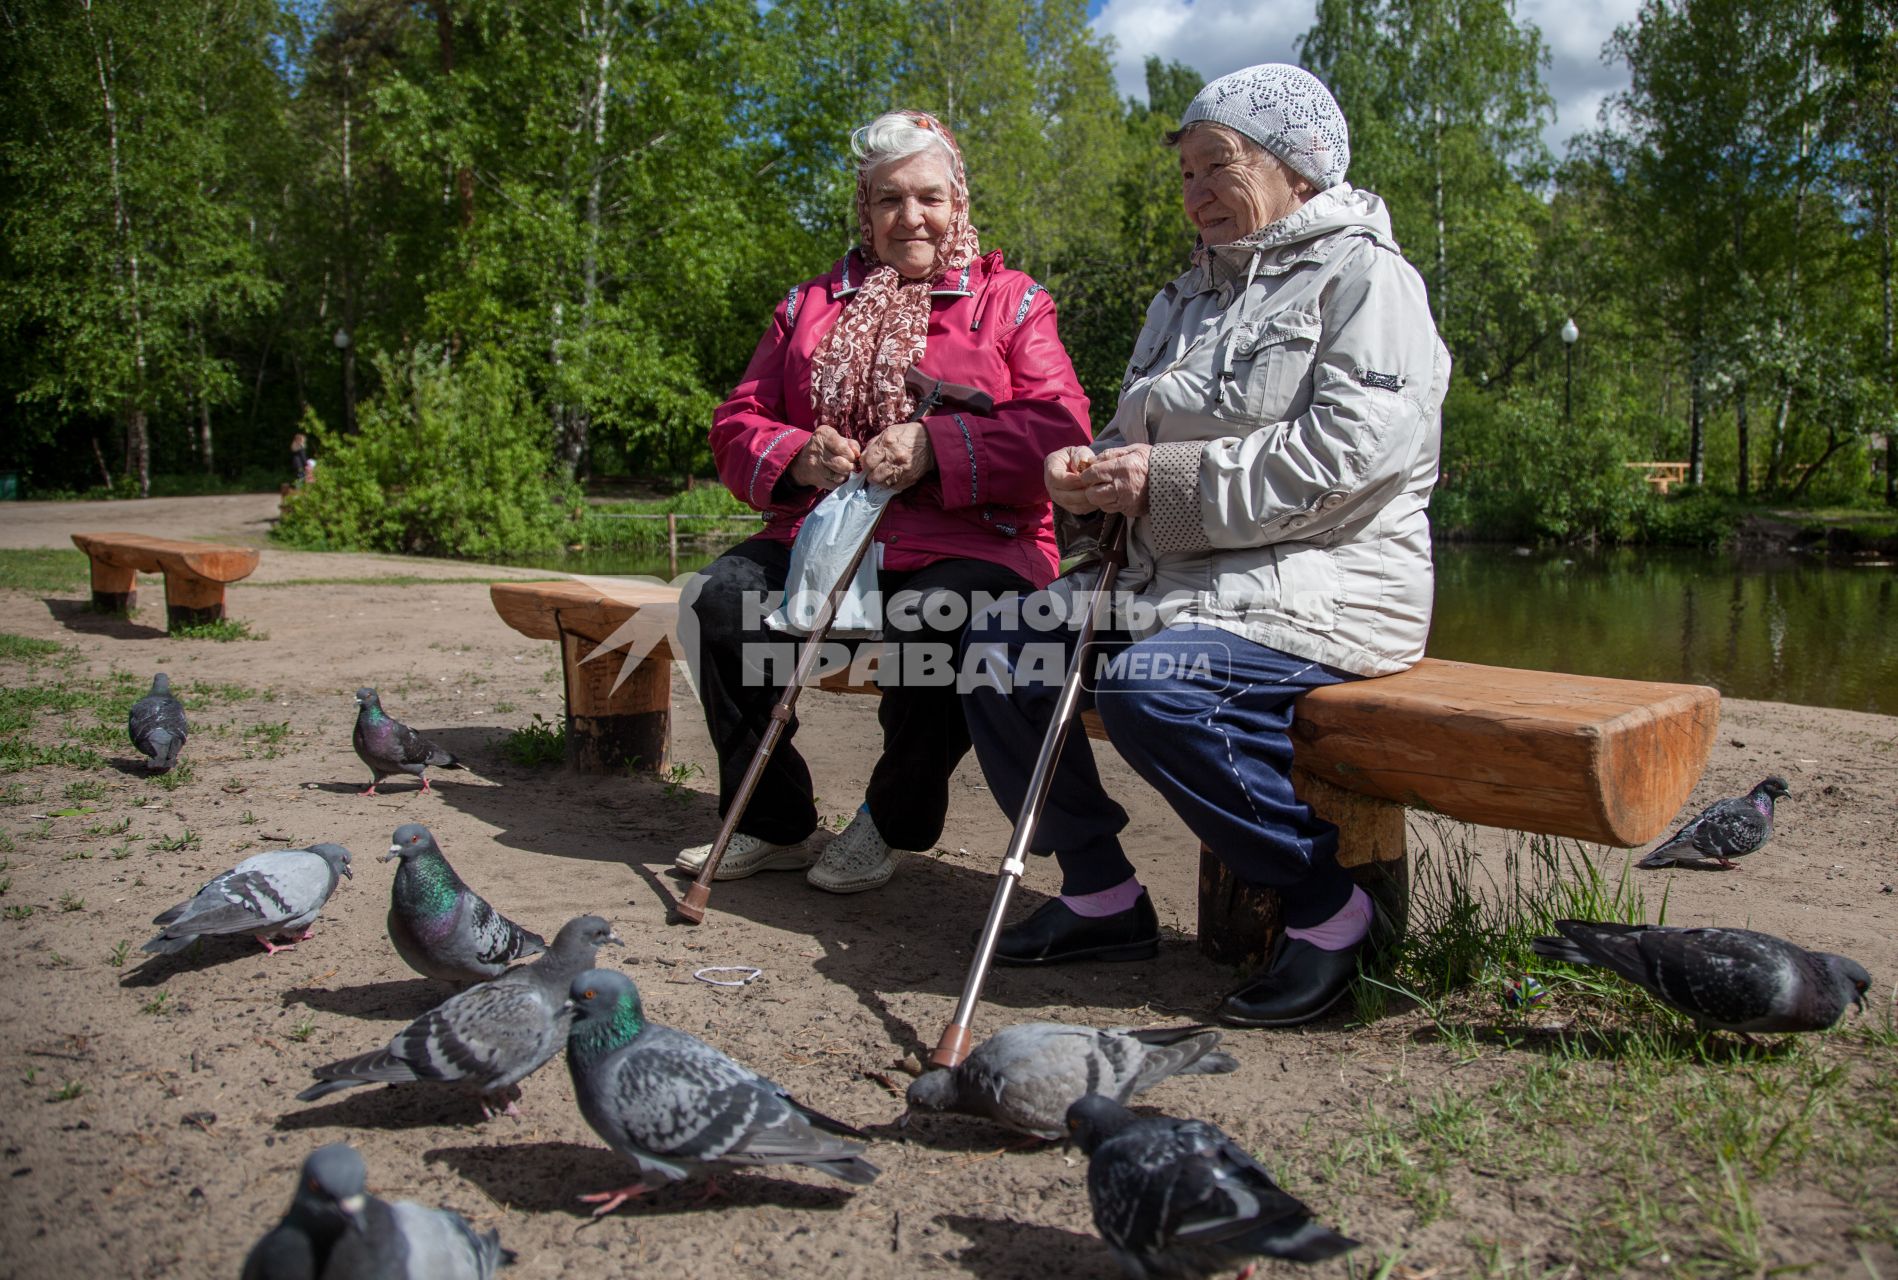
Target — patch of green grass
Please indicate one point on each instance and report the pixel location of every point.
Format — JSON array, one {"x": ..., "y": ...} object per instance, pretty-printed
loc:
[
  {"x": 70, "y": 901},
  {"x": 58, "y": 571},
  {"x": 504, "y": 708},
  {"x": 157, "y": 1004},
  {"x": 179, "y": 775},
  {"x": 541, "y": 743},
  {"x": 17, "y": 754},
  {"x": 68, "y": 1091},
  {"x": 222, "y": 630},
  {"x": 118, "y": 828},
  {"x": 15, "y": 794},
  {"x": 172, "y": 844},
  {"x": 120, "y": 852},
  {"x": 86, "y": 789},
  {"x": 77, "y": 855},
  {"x": 19, "y": 911},
  {"x": 25, "y": 648},
  {"x": 120, "y": 950},
  {"x": 6, "y": 845},
  {"x": 303, "y": 1030}
]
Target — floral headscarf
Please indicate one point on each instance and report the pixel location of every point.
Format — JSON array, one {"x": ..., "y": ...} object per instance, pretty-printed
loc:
[{"x": 857, "y": 372}]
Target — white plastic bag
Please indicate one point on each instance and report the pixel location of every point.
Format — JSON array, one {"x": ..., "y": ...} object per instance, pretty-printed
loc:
[{"x": 830, "y": 536}]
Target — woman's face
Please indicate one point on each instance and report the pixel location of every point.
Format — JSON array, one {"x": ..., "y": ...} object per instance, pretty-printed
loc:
[
  {"x": 1233, "y": 188},
  {"x": 911, "y": 201}
]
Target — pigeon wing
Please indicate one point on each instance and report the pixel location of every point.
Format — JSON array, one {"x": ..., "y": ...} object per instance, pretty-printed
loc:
[
  {"x": 261, "y": 892},
  {"x": 1726, "y": 977},
  {"x": 1731, "y": 828},
  {"x": 497, "y": 939}
]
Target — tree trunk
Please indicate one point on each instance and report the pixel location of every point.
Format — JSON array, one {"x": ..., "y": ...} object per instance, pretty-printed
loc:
[
  {"x": 137, "y": 439},
  {"x": 204, "y": 416},
  {"x": 1891, "y": 364},
  {"x": 1743, "y": 480},
  {"x": 1440, "y": 296},
  {"x": 348, "y": 262},
  {"x": 138, "y": 444},
  {"x": 1696, "y": 440}
]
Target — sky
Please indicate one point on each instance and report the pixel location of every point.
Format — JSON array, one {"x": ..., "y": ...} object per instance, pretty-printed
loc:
[{"x": 1217, "y": 36}]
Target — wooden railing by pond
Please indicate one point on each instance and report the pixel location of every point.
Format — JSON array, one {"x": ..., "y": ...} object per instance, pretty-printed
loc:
[
  {"x": 672, "y": 519},
  {"x": 1661, "y": 476}
]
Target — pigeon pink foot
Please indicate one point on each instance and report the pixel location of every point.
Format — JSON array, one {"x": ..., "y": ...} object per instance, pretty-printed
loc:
[
  {"x": 611, "y": 1200},
  {"x": 273, "y": 948}
]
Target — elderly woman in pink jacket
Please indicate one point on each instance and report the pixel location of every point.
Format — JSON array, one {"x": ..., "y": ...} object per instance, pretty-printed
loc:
[{"x": 824, "y": 398}]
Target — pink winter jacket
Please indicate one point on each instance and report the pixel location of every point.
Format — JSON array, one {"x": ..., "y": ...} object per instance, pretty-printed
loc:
[{"x": 990, "y": 328}]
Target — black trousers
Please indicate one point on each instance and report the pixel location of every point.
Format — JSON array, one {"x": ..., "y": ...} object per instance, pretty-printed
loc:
[{"x": 739, "y": 665}]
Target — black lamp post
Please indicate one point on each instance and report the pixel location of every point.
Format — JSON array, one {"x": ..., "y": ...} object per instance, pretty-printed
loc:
[{"x": 1569, "y": 334}]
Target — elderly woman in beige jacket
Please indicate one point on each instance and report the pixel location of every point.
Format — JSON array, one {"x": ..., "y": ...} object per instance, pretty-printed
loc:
[{"x": 1274, "y": 447}]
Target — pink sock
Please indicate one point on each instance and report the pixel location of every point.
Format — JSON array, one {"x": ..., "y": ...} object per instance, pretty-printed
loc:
[
  {"x": 1107, "y": 902},
  {"x": 1346, "y": 929}
]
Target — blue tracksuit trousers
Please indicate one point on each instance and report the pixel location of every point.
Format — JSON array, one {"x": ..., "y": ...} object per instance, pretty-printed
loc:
[{"x": 1202, "y": 714}]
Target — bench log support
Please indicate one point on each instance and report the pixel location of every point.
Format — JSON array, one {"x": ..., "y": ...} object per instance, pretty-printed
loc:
[
  {"x": 1239, "y": 923},
  {"x": 114, "y": 587},
  {"x": 610, "y": 729}
]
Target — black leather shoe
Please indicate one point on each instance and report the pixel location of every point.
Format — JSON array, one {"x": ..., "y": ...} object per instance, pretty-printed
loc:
[
  {"x": 1054, "y": 934},
  {"x": 1302, "y": 983}
]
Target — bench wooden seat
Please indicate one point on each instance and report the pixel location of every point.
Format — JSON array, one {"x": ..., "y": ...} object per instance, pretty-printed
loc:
[
  {"x": 1601, "y": 760},
  {"x": 196, "y": 573}
]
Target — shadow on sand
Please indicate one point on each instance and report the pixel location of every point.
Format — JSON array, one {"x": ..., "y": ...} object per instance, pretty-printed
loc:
[
  {"x": 80, "y": 616},
  {"x": 550, "y": 1177},
  {"x": 1009, "y": 1249},
  {"x": 914, "y": 935},
  {"x": 399, "y": 1001}
]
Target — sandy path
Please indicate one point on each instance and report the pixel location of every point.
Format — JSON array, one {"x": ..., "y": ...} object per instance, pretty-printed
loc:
[{"x": 183, "y": 1146}]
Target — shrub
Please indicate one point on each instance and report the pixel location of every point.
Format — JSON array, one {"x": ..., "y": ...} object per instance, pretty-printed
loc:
[{"x": 450, "y": 460}]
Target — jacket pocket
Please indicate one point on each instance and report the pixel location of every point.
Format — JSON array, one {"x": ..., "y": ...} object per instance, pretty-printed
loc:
[
  {"x": 1264, "y": 368},
  {"x": 1291, "y": 583}
]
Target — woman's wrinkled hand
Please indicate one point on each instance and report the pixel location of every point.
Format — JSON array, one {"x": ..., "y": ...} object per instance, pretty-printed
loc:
[
  {"x": 1117, "y": 481},
  {"x": 899, "y": 456},
  {"x": 1065, "y": 475},
  {"x": 826, "y": 460}
]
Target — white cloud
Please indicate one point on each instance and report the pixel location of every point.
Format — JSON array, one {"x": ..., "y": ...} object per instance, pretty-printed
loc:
[{"x": 1217, "y": 36}]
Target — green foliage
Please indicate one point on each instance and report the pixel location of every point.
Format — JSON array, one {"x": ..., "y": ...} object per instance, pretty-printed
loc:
[
  {"x": 449, "y": 461},
  {"x": 26, "y": 648},
  {"x": 38, "y": 570},
  {"x": 223, "y": 630},
  {"x": 539, "y": 744}
]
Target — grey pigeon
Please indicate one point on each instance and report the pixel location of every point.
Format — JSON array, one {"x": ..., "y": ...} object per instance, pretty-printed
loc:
[
  {"x": 1027, "y": 1076},
  {"x": 336, "y": 1230},
  {"x": 490, "y": 1037},
  {"x": 675, "y": 1106},
  {"x": 1724, "y": 979},
  {"x": 1724, "y": 830},
  {"x": 157, "y": 726},
  {"x": 1180, "y": 1198},
  {"x": 441, "y": 927},
  {"x": 267, "y": 895},
  {"x": 388, "y": 746}
]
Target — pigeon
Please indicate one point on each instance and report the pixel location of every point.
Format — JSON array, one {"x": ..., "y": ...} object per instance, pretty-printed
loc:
[
  {"x": 1180, "y": 1198},
  {"x": 336, "y": 1230},
  {"x": 490, "y": 1037},
  {"x": 1026, "y": 1076},
  {"x": 1724, "y": 979},
  {"x": 441, "y": 927},
  {"x": 674, "y": 1106},
  {"x": 268, "y": 895},
  {"x": 1724, "y": 830},
  {"x": 157, "y": 725},
  {"x": 388, "y": 746}
]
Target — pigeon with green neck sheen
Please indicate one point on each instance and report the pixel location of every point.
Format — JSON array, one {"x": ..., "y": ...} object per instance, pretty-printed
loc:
[
  {"x": 336, "y": 1230},
  {"x": 674, "y": 1106},
  {"x": 489, "y": 1038},
  {"x": 1724, "y": 830},
  {"x": 157, "y": 725},
  {"x": 389, "y": 747},
  {"x": 441, "y": 927},
  {"x": 268, "y": 895}
]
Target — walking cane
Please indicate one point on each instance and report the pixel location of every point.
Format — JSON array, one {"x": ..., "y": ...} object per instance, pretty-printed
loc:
[
  {"x": 931, "y": 394},
  {"x": 957, "y": 1037}
]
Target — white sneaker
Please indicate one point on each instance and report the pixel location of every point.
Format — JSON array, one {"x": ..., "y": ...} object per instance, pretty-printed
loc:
[
  {"x": 746, "y": 856},
  {"x": 856, "y": 860}
]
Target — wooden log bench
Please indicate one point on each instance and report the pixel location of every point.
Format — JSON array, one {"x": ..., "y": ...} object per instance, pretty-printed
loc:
[
  {"x": 196, "y": 573},
  {"x": 1601, "y": 760}
]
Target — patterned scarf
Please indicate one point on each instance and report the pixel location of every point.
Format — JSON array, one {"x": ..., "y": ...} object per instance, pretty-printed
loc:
[{"x": 857, "y": 373}]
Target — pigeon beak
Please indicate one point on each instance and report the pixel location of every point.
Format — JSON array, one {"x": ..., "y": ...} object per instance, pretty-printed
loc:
[
  {"x": 347, "y": 873},
  {"x": 394, "y": 849},
  {"x": 352, "y": 1207},
  {"x": 614, "y": 940}
]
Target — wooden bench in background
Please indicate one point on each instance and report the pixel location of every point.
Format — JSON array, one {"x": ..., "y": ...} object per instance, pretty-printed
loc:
[
  {"x": 1596, "y": 759},
  {"x": 1661, "y": 476},
  {"x": 196, "y": 573}
]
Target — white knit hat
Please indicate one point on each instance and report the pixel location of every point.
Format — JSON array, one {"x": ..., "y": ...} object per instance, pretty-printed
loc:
[{"x": 1284, "y": 109}]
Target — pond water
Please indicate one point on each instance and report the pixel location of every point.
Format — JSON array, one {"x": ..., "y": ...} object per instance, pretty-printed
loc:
[{"x": 1793, "y": 629}]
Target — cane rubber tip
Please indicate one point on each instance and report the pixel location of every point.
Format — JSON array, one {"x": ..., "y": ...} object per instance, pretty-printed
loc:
[
  {"x": 952, "y": 1048},
  {"x": 692, "y": 910}
]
